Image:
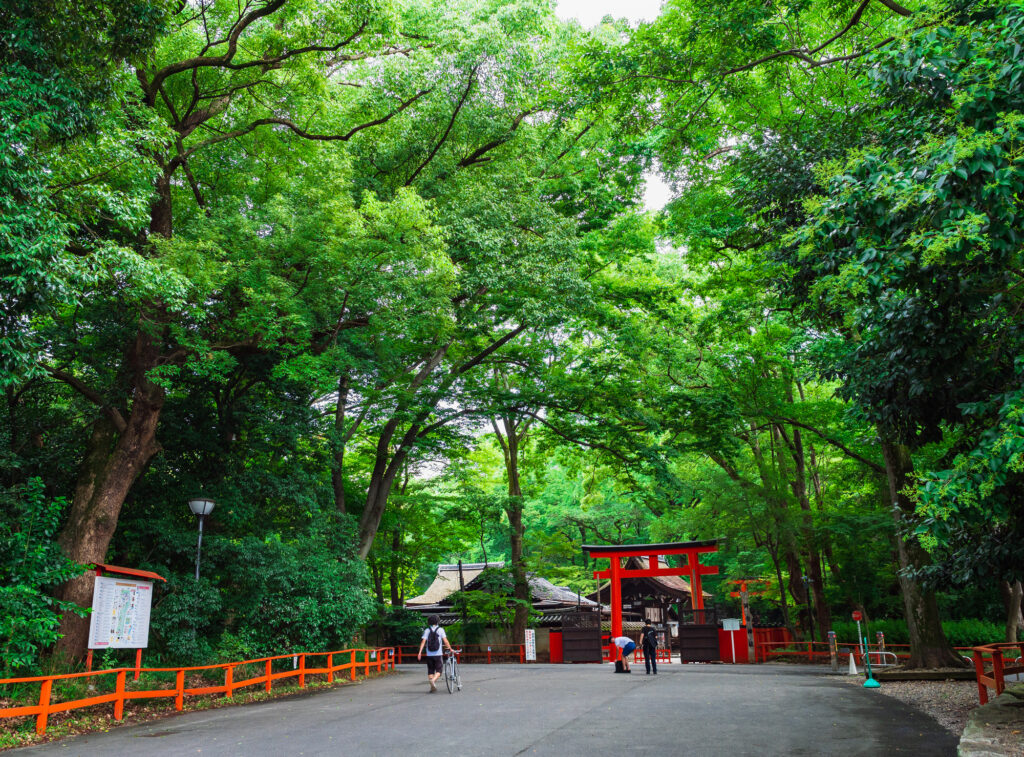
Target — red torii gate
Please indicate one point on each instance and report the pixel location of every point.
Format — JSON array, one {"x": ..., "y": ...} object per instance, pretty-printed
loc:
[{"x": 693, "y": 569}]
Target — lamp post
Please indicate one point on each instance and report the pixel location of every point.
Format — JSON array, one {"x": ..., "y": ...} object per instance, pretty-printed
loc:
[{"x": 201, "y": 506}]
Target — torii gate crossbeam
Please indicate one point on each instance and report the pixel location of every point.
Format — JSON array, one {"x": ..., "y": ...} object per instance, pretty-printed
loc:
[{"x": 692, "y": 570}]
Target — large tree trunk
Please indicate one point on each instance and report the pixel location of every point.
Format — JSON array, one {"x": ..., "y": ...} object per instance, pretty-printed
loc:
[
  {"x": 1012, "y": 597},
  {"x": 113, "y": 461},
  {"x": 929, "y": 647}
]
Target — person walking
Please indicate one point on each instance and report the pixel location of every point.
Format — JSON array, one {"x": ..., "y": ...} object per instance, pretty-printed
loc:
[
  {"x": 649, "y": 644},
  {"x": 626, "y": 646},
  {"x": 434, "y": 638}
]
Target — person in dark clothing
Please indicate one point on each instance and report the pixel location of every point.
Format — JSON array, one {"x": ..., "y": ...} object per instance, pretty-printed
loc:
[{"x": 649, "y": 641}]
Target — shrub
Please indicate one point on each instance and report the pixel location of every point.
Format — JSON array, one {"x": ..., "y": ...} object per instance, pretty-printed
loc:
[
  {"x": 960, "y": 633},
  {"x": 31, "y": 564}
]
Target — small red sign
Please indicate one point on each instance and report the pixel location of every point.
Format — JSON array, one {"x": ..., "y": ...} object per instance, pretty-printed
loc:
[{"x": 856, "y": 615}]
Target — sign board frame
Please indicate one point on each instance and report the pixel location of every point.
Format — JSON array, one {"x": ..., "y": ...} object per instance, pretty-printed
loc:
[{"x": 120, "y": 613}]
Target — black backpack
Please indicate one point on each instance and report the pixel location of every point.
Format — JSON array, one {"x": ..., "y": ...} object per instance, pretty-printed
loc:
[
  {"x": 650, "y": 638},
  {"x": 433, "y": 640}
]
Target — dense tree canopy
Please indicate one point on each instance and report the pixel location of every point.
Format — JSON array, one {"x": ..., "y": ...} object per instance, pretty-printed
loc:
[{"x": 358, "y": 269}]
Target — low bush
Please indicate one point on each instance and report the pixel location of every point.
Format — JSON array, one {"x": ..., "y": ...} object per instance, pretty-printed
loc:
[{"x": 961, "y": 633}]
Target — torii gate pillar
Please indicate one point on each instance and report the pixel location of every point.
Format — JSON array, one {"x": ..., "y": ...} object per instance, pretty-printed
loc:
[{"x": 692, "y": 570}]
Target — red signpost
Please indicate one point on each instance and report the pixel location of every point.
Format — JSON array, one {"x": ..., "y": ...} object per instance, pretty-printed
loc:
[{"x": 692, "y": 570}]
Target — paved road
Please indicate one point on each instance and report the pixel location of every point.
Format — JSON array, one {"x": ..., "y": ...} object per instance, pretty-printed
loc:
[{"x": 564, "y": 710}]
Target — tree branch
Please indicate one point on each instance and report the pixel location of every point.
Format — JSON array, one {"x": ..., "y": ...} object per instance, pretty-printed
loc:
[
  {"x": 90, "y": 394},
  {"x": 448, "y": 129}
]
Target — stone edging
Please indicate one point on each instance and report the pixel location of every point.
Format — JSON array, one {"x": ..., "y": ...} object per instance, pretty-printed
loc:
[{"x": 997, "y": 728}]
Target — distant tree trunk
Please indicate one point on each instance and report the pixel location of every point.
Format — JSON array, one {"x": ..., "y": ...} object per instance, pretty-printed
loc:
[
  {"x": 816, "y": 576},
  {"x": 396, "y": 546},
  {"x": 1013, "y": 593},
  {"x": 378, "y": 579},
  {"x": 511, "y": 442},
  {"x": 338, "y": 467},
  {"x": 929, "y": 647},
  {"x": 117, "y": 452}
]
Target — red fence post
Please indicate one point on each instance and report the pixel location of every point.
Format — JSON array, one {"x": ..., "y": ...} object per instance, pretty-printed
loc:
[
  {"x": 353, "y": 664},
  {"x": 979, "y": 673},
  {"x": 997, "y": 670},
  {"x": 302, "y": 670},
  {"x": 44, "y": 704},
  {"x": 330, "y": 668},
  {"x": 522, "y": 654},
  {"x": 138, "y": 662},
  {"x": 179, "y": 690},
  {"x": 269, "y": 670},
  {"x": 119, "y": 702},
  {"x": 229, "y": 681}
]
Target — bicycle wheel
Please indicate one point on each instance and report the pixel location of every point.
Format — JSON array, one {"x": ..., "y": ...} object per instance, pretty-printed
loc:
[{"x": 449, "y": 674}]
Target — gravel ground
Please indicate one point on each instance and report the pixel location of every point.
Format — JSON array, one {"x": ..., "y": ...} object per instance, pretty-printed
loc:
[{"x": 949, "y": 702}]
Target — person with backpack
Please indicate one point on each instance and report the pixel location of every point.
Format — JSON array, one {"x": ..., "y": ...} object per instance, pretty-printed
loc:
[
  {"x": 649, "y": 643},
  {"x": 434, "y": 638}
]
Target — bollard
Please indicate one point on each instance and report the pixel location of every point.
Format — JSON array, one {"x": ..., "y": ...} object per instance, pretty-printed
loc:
[{"x": 833, "y": 651}]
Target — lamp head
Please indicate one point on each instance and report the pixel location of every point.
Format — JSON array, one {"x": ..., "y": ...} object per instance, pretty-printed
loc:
[{"x": 201, "y": 505}]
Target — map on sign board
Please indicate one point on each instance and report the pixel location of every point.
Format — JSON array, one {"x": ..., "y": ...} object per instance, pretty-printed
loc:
[
  {"x": 120, "y": 613},
  {"x": 531, "y": 644}
]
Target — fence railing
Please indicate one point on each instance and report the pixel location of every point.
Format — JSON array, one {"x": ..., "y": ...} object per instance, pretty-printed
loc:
[
  {"x": 661, "y": 654},
  {"x": 995, "y": 676},
  {"x": 815, "y": 651},
  {"x": 487, "y": 654},
  {"x": 343, "y": 661}
]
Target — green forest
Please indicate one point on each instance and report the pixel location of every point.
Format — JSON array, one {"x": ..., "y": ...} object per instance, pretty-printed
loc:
[{"x": 378, "y": 278}]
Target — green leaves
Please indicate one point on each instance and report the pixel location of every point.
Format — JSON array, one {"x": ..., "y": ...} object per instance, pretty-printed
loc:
[{"x": 31, "y": 565}]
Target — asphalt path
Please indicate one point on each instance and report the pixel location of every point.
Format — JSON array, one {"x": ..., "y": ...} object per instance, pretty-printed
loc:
[{"x": 564, "y": 710}]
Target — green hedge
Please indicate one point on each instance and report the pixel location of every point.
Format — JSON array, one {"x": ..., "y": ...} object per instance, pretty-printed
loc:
[{"x": 961, "y": 633}]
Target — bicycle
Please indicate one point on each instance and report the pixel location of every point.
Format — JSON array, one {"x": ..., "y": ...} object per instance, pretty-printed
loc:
[{"x": 452, "y": 677}]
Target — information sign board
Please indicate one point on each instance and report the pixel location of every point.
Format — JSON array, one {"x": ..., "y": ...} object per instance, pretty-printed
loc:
[
  {"x": 730, "y": 624},
  {"x": 120, "y": 613},
  {"x": 531, "y": 644}
]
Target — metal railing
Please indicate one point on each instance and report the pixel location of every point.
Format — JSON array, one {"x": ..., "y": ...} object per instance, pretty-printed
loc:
[{"x": 379, "y": 659}]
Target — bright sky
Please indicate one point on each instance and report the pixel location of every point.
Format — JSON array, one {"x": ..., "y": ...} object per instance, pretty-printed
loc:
[{"x": 589, "y": 13}]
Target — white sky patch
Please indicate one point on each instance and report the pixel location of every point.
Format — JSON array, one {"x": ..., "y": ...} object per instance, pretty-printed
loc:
[
  {"x": 590, "y": 12},
  {"x": 656, "y": 192}
]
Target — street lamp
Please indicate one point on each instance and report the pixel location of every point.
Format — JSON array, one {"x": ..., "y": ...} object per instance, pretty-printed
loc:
[{"x": 201, "y": 506}]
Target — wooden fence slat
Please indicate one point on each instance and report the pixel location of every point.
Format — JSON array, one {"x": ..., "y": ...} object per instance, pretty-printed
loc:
[
  {"x": 44, "y": 706},
  {"x": 119, "y": 701}
]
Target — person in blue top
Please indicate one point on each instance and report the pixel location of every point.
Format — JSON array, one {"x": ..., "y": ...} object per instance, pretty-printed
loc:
[
  {"x": 626, "y": 646},
  {"x": 434, "y": 639}
]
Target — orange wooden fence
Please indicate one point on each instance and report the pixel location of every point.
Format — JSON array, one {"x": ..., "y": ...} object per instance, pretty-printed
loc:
[
  {"x": 345, "y": 660},
  {"x": 996, "y": 677}
]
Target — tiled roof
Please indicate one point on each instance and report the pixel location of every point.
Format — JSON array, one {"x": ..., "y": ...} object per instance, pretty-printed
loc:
[{"x": 446, "y": 582}]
